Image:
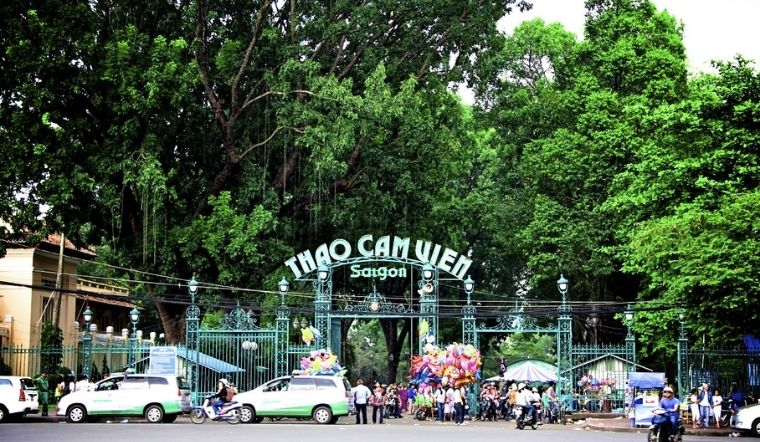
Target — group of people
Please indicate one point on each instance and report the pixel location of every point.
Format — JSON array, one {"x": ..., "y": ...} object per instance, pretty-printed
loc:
[
  {"x": 395, "y": 401},
  {"x": 66, "y": 386},
  {"x": 385, "y": 403},
  {"x": 705, "y": 403}
]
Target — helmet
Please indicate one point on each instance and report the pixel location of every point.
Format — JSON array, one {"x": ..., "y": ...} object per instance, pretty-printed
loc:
[
  {"x": 521, "y": 386},
  {"x": 535, "y": 390},
  {"x": 667, "y": 390},
  {"x": 224, "y": 381}
]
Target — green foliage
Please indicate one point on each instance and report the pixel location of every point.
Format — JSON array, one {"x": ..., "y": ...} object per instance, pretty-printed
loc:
[
  {"x": 212, "y": 319},
  {"x": 51, "y": 342},
  {"x": 519, "y": 346}
]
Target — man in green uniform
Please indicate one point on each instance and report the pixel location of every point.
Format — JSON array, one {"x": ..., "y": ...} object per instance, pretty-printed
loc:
[{"x": 42, "y": 389}]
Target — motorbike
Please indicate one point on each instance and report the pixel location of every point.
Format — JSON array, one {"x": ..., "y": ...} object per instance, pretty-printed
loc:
[
  {"x": 503, "y": 409},
  {"x": 660, "y": 429},
  {"x": 521, "y": 418},
  {"x": 487, "y": 409},
  {"x": 727, "y": 414},
  {"x": 230, "y": 412}
]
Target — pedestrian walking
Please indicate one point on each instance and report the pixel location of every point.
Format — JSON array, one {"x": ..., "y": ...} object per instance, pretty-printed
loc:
[
  {"x": 43, "y": 388},
  {"x": 717, "y": 407},
  {"x": 361, "y": 395},
  {"x": 378, "y": 403},
  {"x": 705, "y": 401}
]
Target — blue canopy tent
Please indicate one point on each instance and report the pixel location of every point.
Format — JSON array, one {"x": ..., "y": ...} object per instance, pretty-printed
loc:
[
  {"x": 644, "y": 398},
  {"x": 646, "y": 380}
]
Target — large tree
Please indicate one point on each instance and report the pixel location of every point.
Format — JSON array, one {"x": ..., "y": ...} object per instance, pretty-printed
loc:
[{"x": 691, "y": 203}]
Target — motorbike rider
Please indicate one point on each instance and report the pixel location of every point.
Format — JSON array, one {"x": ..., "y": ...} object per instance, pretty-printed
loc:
[
  {"x": 671, "y": 405},
  {"x": 535, "y": 402},
  {"x": 222, "y": 395},
  {"x": 524, "y": 400}
]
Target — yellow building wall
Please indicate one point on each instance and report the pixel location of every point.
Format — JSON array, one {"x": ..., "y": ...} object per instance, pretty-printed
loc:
[{"x": 24, "y": 306}]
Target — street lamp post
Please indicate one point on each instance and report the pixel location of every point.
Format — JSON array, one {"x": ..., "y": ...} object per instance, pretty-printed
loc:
[
  {"x": 322, "y": 305},
  {"x": 192, "y": 287},
  {"x": 683, "y": 347},
  {"x": 134, "y": 316},
  {"x": 469, "y": 287},
  {"x": 283, "y": 285},
  {"x": 630, "y": 339},
  {"x": 563, "y": 285},
  {"x": 87, "y": 343},
  {"x": 564, "y": 336}
]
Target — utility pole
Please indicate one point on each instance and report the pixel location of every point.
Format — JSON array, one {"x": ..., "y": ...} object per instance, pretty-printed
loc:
[{"x": 59, "y": 284}]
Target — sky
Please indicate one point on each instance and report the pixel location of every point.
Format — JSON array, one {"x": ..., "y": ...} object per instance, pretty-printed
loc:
[{"x": 712, "y": 30}]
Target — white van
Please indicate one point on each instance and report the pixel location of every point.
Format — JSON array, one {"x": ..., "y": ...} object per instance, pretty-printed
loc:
[
  {"x": 323, "y": 398},
  {"x": 157, "y": 398}
]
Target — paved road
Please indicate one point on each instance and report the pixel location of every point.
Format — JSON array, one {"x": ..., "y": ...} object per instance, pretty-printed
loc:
[{"x": 291, "y": 430}]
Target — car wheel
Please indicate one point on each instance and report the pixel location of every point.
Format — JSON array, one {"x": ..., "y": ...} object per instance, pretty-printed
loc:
[
  {"x": 154, "y": 414},
  {"x": 169, "y": 418},
  {"x": 322, "y": 414},
  {"x": 76, "y": 414},
  {"x": 247, "y": 415},
  {"x": 756, "y": 427},
  {"x": 3, "y": 414}
]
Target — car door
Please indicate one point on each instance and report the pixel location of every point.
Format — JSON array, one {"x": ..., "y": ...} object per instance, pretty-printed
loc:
[
  {"x": 103, "y": 398},
  {"x": 133, "y": 395},
  {"x": 273, "y": 400},
  {"x": 303, "y": 395}
]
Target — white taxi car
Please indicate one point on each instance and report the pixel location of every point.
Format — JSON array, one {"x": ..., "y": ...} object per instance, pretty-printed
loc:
[
  {"x": 157, "y": 398},
  {"x": 747, "y": 419},
  {"x": 322, "y": 398},
  {"x": 18, "y": 397}
]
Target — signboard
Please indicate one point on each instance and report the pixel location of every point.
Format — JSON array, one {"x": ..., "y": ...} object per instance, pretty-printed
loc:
[
  {"x": 386, "y": 246},
  {"x": 163, "y": 360}
]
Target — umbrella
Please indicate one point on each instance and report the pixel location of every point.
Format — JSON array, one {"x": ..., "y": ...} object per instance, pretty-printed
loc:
[{"x": 529, "y": 372}]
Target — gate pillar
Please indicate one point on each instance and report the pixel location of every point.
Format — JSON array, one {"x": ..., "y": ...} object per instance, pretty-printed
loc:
[
  {"x": 281, "y": 359},
  {"x": 192, "y": 324},
  {"x": 468, "y": 325},
  {"x": 428, "y": 292}
]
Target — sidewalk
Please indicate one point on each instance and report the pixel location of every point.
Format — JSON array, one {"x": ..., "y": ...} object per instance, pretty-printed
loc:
[{"x": 623, "y": 425}]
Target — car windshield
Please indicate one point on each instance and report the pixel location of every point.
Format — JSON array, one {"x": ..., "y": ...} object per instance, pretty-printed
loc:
[{"x": 27, "y": 384}]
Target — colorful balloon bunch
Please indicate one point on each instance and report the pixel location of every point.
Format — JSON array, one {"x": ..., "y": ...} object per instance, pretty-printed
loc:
[
  {"x": 457, "y": 365},
  {"x": 321, "y": 362}
]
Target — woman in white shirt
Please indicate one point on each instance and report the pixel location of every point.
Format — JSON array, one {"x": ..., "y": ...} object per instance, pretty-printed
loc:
[
  {"x": 694, "y": 407},
  {"x": 717, "y": 407}
]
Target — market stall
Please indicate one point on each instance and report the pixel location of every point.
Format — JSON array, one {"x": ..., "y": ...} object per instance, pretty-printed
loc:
[{"x": 645, "y": 392}]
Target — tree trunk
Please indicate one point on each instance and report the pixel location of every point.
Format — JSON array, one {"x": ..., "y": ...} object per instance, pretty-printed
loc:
[{"x": 394, "y": 339}]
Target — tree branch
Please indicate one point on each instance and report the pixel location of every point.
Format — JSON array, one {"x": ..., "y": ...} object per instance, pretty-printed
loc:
[
  {"x": 246, "y": 59},
  {"x": 250, "y": 147}
]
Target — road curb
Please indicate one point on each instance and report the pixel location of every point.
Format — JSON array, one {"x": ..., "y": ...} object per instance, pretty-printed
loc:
[{"x": 622, "y": 425}]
